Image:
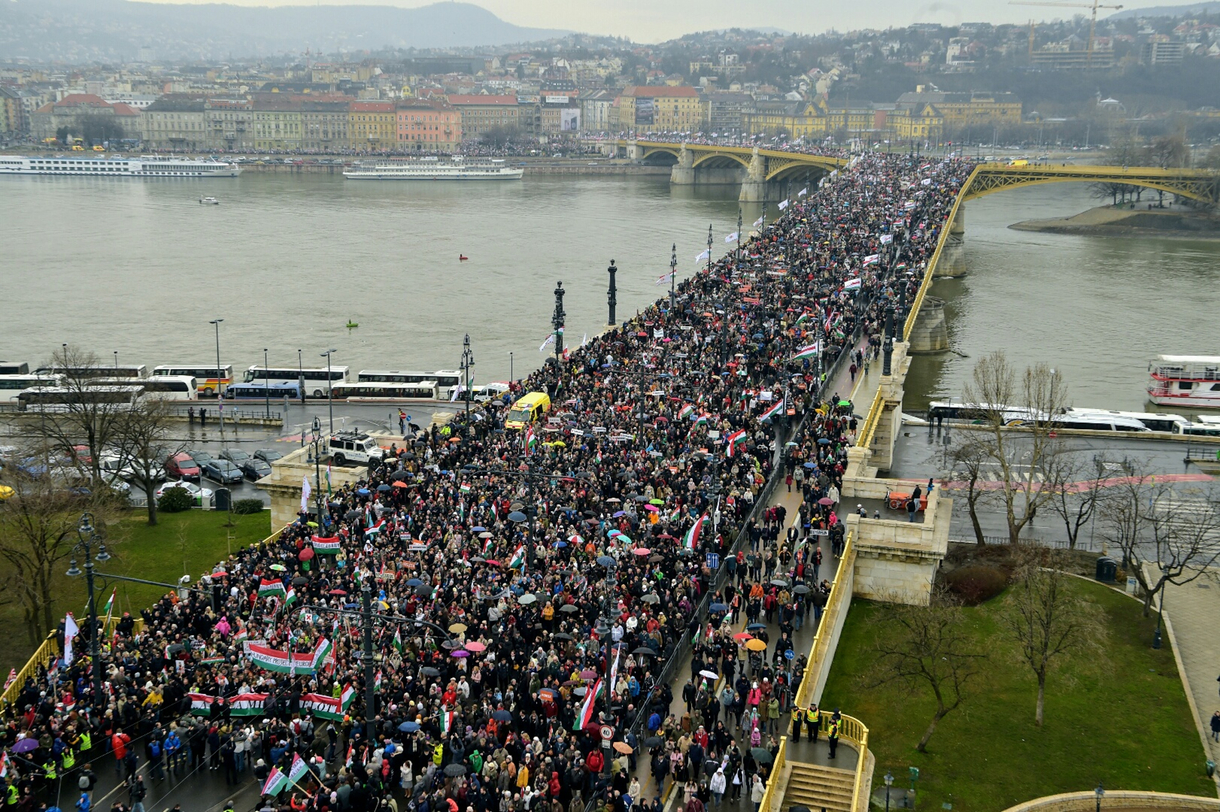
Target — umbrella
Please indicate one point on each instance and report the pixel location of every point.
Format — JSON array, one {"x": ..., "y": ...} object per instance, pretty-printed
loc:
[
  {"x": 363, "y": 491},
  {"x": 588, "y": 673},
  {"x": 652, "y": 559},
  {"x": 502, "y": 716},
  {"x": 527, "y": 599},
  {"x": 826, "y": 500},
  {"x": 614, "y": 500},
  {"x": 622, "y": 747},
  {"x": 415, "y": 582},
  {"x": 383, "y": 488},
  {"x": 718, "y": 607},
  {"x": 650, "y": 598},
  {"x": 709, "y": 674},
  {"x": 475, "y": 646},
  {"x": 568, "y": 608},
  {"x": 408, "y": 727},
  {"x": 645, "y": 651},
  {"x": 398, "y": 483},
  {"x": 461, "y": 654},
  {"x": 823, "y": 441},
  {"x": 656, "y": 501},
  {"x": 581, "y": 691},
  {"x": 306, "y": 553},
  {"x": 652, "y": 508},
  {"x": 562, "y": 636},
  {"x": 517, "y": 516},
  {"x": 485, "y": 535},
  {"x": 743, "y": 637},
  {"x": 311, "y": 524},
  {"x": 279, "y": 568},
  {"x": 478, "y": 529},
  {"x": 559, "y": 545},
  {"x": 337, "y": 592},
  {"x": 653, "y": 741},
  {"x": 606, "y": 561},
  {"x": 778, "y": 582},
  {"x": 25, "y": 745},
  {"x": 351, "y": 515},
  {"x": 753, "y": 627},
  {"x": 429, "y": 671},
  {"x": 756, "y": 645},
  {"x": 761, "y": 755},
  {"x": 619, "y": 514},
  {"x": 642, "y": 551},
  {"x": 300, "y": 580},
  {"x": 801, "y": 589},
  {"x": 454, "y": 770},
  {"x": 811, "y": 465},
  {"x": 457, "y": 628}
]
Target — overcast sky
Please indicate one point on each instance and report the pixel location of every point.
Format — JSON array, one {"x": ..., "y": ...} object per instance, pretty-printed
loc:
[{"x": 657, "y": 20}]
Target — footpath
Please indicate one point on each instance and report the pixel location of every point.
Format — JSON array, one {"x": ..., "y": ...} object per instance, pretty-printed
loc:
[{"x": 1191, "y": 611}]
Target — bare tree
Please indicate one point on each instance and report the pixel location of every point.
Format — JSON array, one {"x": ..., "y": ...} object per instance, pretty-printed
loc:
[
  {"x": 88, "y": 416},
  {"x": 142, "y": 440},
  {"x": 1003, "y": 400},
  {"x": 968, "y": 458},
  {"x": 1176, "y": 534},
  {"x": 927, "y": 647},
  {"x": 1048, "y": 619},
  {"x": 1073, "y": 492}
]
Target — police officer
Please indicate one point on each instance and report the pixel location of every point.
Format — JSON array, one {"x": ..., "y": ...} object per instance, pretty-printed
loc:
[{"x": 798, "y": 717}]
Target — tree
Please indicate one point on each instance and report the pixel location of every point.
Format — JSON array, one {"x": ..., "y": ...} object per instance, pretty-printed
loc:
[
  {"x": 1212, "y": 159},
  {"x": 1048, "y": 619},
  {"x": 1177, "y": 535},
  {"x": 1071, "y": 497},
  {"x": 142, "y": 440},
  {"x": 1169, "y": 151},
  {"x": 89, "y": 418},
  {"x": 1002, "y": 402},
  {"x": 927, "y": 647},
  {"x": 968, "y": 459}
]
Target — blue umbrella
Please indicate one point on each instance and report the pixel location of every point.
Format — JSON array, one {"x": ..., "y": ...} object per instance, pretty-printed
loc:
[
  {"x": 409, "y": 727},
  {"x": 811, "y": 465},
  {"x": 415, "y": 582},
  {"x": 478, "y": 529},
  {"x": 753, "y": 627},
  {"x": 363, "y": 491},
  {"x": 517, "y": 516},
  {"x": 620, "y": 514},
  {"x": 823, "y": 441},
  {"x": 718, "y": 607},
  {"x": 559, "y": 545}
]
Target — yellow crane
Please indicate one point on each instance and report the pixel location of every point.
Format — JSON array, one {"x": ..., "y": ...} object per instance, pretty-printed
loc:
[{"x": 1092, "y": 22}]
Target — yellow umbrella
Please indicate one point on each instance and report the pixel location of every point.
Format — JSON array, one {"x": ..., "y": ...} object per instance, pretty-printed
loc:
[
  {"x": 756, "y": 645},
  {"x": 458, "y": 628}
]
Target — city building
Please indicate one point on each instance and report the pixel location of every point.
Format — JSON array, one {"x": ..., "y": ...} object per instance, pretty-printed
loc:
[
  {"x": 481, "y": 115},
  {"x": 324, "y": 125},
  {"x": 12, "y": 112},
  {"x": 726, "y": 111},
  {"x": 1159, "y": 51},
  {"x": 661, "y": 108},
  {"x": 428, "y": 126},
  {"x": 277, "y": 123},
  {"x": 229, "y": 124},
  {"x": 372, "y": 126},
  {"x": 595, "y": 110},
  {"x": 965, "y": 109},
  {"x": 176, "y": 123},
  {"x": 82, "y": 112}
]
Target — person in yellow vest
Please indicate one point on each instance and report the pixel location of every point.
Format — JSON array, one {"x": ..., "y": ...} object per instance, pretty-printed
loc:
[
  {"x": 813, "y": 721},
  {"x": 798, "y": 718},
  {"x": 68, "y": 759},
  {"x": 11, "y": 796},
  {"x": 86, "y": 742},
  {"x": 49, "y": 768},
  {"x": 438, "y": 754}
]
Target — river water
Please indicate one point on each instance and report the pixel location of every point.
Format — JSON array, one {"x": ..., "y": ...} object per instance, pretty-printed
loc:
[{"x": 287, "y": 260}]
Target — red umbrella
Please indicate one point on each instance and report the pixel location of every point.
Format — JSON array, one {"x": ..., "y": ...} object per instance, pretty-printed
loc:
[
  {"x": 401, "y": 484},
  {"x": 337, "y": 592},
  {"x": 741, "y": 637},
  {"x": 475, "y": 646},
  {"x": 642, "y": 551},
  {"x": 306, "y": 553},
  {"x": 588, "y": 673}
]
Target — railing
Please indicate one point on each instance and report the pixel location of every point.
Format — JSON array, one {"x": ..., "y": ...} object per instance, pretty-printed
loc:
[
  {"x": 855, "y": 733},
  {"x": 930, "y": 270},
  {"x": 837, "y": 603},
  {"x": 772, "y": 794}
]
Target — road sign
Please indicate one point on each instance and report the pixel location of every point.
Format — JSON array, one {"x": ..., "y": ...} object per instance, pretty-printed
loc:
[{"x": 713, "y": 561}]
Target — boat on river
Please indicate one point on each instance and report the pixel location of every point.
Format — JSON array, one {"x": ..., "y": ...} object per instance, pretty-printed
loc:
[
  {"x": 1185, "y": 381},
  {"x": 146, "y": 166},
  {"x": 432, "y": 169}
]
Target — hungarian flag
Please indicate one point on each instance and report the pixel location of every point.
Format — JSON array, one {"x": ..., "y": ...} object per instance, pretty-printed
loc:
[
  {"x": 248, "y": 704},
  {"x": 808, "y": 351},
  {"x": 345, "y": 699},
  {"x": 531, "y": 439},
  {"x": 398, "y": 641},
  {"x": 778, "y": 408},
  {"x": 276, "y": 782},
  {"x": 464, "y": 488},
  {"x": 686, "y": 411},
  {"x": 871, "y": 259},
  {"x": 691, "y": 540},
  {"x": 322, "y": 707},
  {"x": 12, "y": 677},
  {"x": 518, "y": 559},
  {"x": 3, "y": 765},
  {"x": 374, "y": 529},
  {"x": 201, "y": 704},
  {"x": 271, "y": 588},
  {"x": 801, "y": 319},
  {"x": 852, "y": 284},
  {"x": 586, "y": 710},
  {"x": 702, "y": 420},
  {"x": 108, "y": 609},
  {"x": 736, "y": 439},
  {"x": 298, "y": 770},
  {"x": 487, "y": 545},
  {"x": 290, "y": 597},
  {"x": 377, "y": 681},
  {"x": 447, "y": 719},
  {"x": 326, "y": 546}
]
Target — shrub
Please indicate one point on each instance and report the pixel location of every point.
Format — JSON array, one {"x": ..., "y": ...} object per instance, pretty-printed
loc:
[
  {"x": 976, "y": 584},
  {"x": 175, "y": 500},
  {"x": 245, "y": 507}
]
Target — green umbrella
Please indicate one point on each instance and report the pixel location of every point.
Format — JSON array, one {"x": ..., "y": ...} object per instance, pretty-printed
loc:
[
  {"x": 656, "y": 501},
  {"x": 844, "y": 402},
  {"x": 311, "y": 524}
]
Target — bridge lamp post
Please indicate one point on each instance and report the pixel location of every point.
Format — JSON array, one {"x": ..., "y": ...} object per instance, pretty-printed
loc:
[
  {"x": 673, "y": 275},
  {"x": 611, "y": 294},
  {"x": 739, "y": 237},
  {"x": 330, "y": 384},
  {"x": 709, "y": 248}
]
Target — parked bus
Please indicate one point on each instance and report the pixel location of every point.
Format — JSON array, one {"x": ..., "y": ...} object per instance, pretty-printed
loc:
[
  {"x": 163, "y": 387},
  {"x": 446, "y": 379},
  {"x": 263, "y": 391},
  {"x": 61, "y": 398},
  {"x": 362, "y": 392},
  {"x": 97, "y": 371},
  {"x": 315, "y": 379},
  {"x": 1204, "y": 426},
  {"x": 14, "y": 368},
  {"x": 12, "y": 385},
  {"x": 204, "y": 374}
]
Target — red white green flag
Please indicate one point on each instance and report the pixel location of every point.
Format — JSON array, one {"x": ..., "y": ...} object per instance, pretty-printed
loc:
[
  {"x": 271, "y": 588},
  {"x": 691, "y": 540},
  {"x": 518, "y": 559},
  {"x": 586, "y": 710},
  {"x": 734, "y": 442},
  {"x": 328, "y": 545},
  {"x": 276, "y": 783},
  {"x": 773, "y": 411}
]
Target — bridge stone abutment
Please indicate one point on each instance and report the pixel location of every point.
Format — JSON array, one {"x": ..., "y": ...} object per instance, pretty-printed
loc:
[
  {"x": 930, "y": 333},
  {"x": 683, "y": 173},
  {"x": 754, "y": 184}
]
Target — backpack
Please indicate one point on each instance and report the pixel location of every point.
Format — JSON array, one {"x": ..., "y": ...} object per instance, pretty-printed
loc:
[{"x": 155, "y": 748}]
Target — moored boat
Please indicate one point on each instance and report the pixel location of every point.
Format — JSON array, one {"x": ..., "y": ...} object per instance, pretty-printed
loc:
[
  {"x": 1185, "y": 381},
  {"x": 432, "y": 169}
]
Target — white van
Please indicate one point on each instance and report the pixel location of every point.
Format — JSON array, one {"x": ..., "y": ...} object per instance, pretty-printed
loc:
[
  {"x": 351, "y": 446},
  {"x": 490, "y": 391}
]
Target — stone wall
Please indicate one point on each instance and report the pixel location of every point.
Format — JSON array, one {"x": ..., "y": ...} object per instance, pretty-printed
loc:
[
  {"x": 895, "y": 559},
  {"x": 1117, "y": 799}
]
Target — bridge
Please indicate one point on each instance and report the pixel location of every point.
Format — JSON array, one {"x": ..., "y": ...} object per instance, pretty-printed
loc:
[
  {"x": 1195, "y": 184},
  {"x": 759, "y": 171}
]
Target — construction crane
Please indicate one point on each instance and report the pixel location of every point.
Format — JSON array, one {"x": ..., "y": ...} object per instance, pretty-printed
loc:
[{"x": 1092, "y": 22}]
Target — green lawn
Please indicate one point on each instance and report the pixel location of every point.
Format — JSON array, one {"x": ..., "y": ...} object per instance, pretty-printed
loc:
[
  {"x": 1123, "y": 721},
  {"x": 181, "y": 543}
]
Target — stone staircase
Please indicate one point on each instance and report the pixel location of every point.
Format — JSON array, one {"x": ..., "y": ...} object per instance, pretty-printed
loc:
[{"x": 818, "y": 788}]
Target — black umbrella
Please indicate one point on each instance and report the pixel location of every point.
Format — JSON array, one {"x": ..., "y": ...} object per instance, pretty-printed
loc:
[
  {"x": 502, "y": 716},
  {"x": 454, "y": 770},
  {"x": 645, "y": 650},
  {"x": 300, "y": 580},
  {"x": 351, "y": 515},
  {"x": 429, "y": 671},
  {"x": 562, "y": 636},
  {"x": 801, "y": 589},
  {"x": 383, "y": 488},
  {"x": 761, "y": 755},
  {"x": 568, "y": 608},
  {"x": 653, "y": 741}
]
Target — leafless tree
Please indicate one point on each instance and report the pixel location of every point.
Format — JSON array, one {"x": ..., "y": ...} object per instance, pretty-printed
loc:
[
  {"x": 968, "y": 458},
  {"x": 1048, "y": 619},
  {"x": 928, "y": 648},
  {"x": 142, "y": 440},
  {"x": 1002, "y": 400},
  {"x": 1175, "y": 533},
  {"x": 1074, "y": 485}
]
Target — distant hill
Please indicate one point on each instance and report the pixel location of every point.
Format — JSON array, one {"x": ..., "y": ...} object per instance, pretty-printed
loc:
[
  {"x": 84, "y": 30},
  {"x": 1208, "y": 7}
]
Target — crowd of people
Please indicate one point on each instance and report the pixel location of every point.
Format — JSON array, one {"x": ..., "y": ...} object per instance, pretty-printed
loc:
[{"x": 530, "y": 585}]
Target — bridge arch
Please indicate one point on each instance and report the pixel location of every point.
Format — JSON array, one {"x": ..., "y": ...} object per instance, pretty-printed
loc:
[
  {"x": 721, "y": 159},
  {"x": 1193, "y": 184},
  {"x": 792, "y": 169},
  {"x": 651, "y": 153}
]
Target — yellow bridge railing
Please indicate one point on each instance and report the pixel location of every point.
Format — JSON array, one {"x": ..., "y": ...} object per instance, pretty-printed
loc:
[
  {"x": 774, "y": 794},
  {"x": 837, "y": 604},
  {"x": 930, "y": 271}
]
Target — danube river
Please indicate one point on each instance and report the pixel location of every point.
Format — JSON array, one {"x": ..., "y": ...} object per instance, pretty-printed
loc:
[{"x": 288, "y": 260}]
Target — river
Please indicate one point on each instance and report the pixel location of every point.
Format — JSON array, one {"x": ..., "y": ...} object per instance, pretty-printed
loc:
[{"x": 287, "y": 260}]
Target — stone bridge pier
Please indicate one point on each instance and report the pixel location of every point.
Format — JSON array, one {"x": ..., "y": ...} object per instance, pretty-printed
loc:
[
  {"x": 930, "y": 334},
  {"x": 953, "y": 257},
  {"x": 754, "y": 184}
]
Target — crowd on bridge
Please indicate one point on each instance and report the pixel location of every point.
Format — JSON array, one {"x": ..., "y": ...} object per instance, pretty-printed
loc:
[{"x": 530, "y": 585}]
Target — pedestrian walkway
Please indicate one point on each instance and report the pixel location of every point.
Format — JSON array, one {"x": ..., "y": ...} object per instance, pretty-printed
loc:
[
  {"x": 1192, "y": 609},
  {"x": 802, "y": 639}
]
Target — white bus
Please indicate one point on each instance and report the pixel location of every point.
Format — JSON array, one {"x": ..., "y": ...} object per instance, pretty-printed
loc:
[
  {"x": 13, "y": 385},
  {"x": 316, "y": 379},
  {"x": 204, "y": 374},
  {"x": 14, "y": 368},
  {"x": 60, "y": 398},
  {"x": 364, "y": 392},
  {"x": 97, "y": 371},
  {"x": 163, "y": 387},
  {"x": 446, "y": 379}
]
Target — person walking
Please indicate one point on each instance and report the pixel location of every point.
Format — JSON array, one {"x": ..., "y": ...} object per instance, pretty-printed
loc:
[
  {"x": 718, "y": 785},
  {"x": 1216, "y": 726},
  {"x": 757, "y": 789}
]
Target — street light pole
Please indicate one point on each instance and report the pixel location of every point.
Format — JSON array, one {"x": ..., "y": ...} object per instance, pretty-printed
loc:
[
  {"x": 557, "y": 320},
  {"x": 510, "y": 366},
  {"x": 673, "y": 275},
  {"x": 317, "y": 467},
  {"x": 266, "y": 386},
  {"x": 709, "y": 248},
  {"x": 467, "y": 363},
  {"x": 301, "y": 376},
  {"x": 612, "y": 293},
  {"x": 370, "y": 696},
  {"x": 88, "y": 536},
  {"x": 330, "y": 401},
  {"x": 116, "y": 363},
  {"x": 219, "y": 375}
]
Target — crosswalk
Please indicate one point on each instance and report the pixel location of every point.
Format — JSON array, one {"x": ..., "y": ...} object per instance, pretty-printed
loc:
[
  {"x": 993, "y": 472},
  {"x": 1189, "y": 519}
]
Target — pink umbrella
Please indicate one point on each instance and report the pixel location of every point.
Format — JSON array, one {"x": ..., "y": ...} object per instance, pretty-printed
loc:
[
  {"x": 652, "y": 508},
  {"x": 588, "y": 673},
  {"x": 306, "y": 553},
  {"x": 642, "y": 551},
  {"x": 475, "y": 646}
]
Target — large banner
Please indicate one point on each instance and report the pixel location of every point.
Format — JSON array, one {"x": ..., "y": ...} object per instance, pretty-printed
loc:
[
  {"x": 569, "y": 119},
  {"x": 325, "y": 707},
  {"x": 239, "y": 705},
  {"x": 644, "y": 112},
  {"x": 285, "y": 662}
]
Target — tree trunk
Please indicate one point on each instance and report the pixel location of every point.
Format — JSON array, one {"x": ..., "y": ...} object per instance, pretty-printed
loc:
[
  {"x": 1148, "y": 596},
  {"x": 150, "y": 492},
  {"x": 43, "y": 590},
  {"x": 927, "y": 734},
  {"x": 1041, "y": 698}
]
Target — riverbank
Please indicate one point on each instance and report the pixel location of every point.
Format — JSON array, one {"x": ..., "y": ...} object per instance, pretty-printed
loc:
[{"x": 1139, "y": 221}]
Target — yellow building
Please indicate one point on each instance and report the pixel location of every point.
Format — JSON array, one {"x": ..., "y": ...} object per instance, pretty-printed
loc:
[
  {"x": 670, "y": 109},
  {"x": 372, "y": 126},
  {"x": 276, "y": 123},
  {"x": 796, "y": 119},
  {"x": 924, "y": 121},
  {"x": 965, "y": 109}
]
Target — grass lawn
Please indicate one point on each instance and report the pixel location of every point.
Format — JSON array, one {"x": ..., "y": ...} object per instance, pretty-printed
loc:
[
  {"x": 182, "y": 543},
  {"x": 1123, "y": 721}
]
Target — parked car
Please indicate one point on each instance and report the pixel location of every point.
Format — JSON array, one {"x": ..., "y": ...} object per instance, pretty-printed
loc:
[
  {"x": 255, "y": 469},
  {"x": 222, "y": 471},
  {"x": 197, "y": 493},
  {"x": 234, "y": 455},
  {"x": 200, "y": 457},
  {"x": 267, "y": 455},
  {"x": 182, "y": 466}
]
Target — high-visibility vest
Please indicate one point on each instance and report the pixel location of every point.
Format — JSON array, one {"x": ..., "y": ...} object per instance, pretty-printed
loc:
[
  {"x": 69, "y": 760},
  {"x": 811, "y": 716},
  {"x": 86, "y": 742},
  {"x": 11, "y": 798},
  {"x": 49, "y": 769}
]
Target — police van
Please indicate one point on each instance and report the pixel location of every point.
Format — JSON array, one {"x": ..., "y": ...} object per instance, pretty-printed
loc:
[{"x": 355, "y": 447}]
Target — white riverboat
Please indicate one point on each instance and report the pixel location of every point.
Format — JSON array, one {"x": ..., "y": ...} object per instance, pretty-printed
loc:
[
  {"x": 146, "y": 166},
  {"x": 1185, "y": 381},
  {"x": 433, "y": 169}
]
